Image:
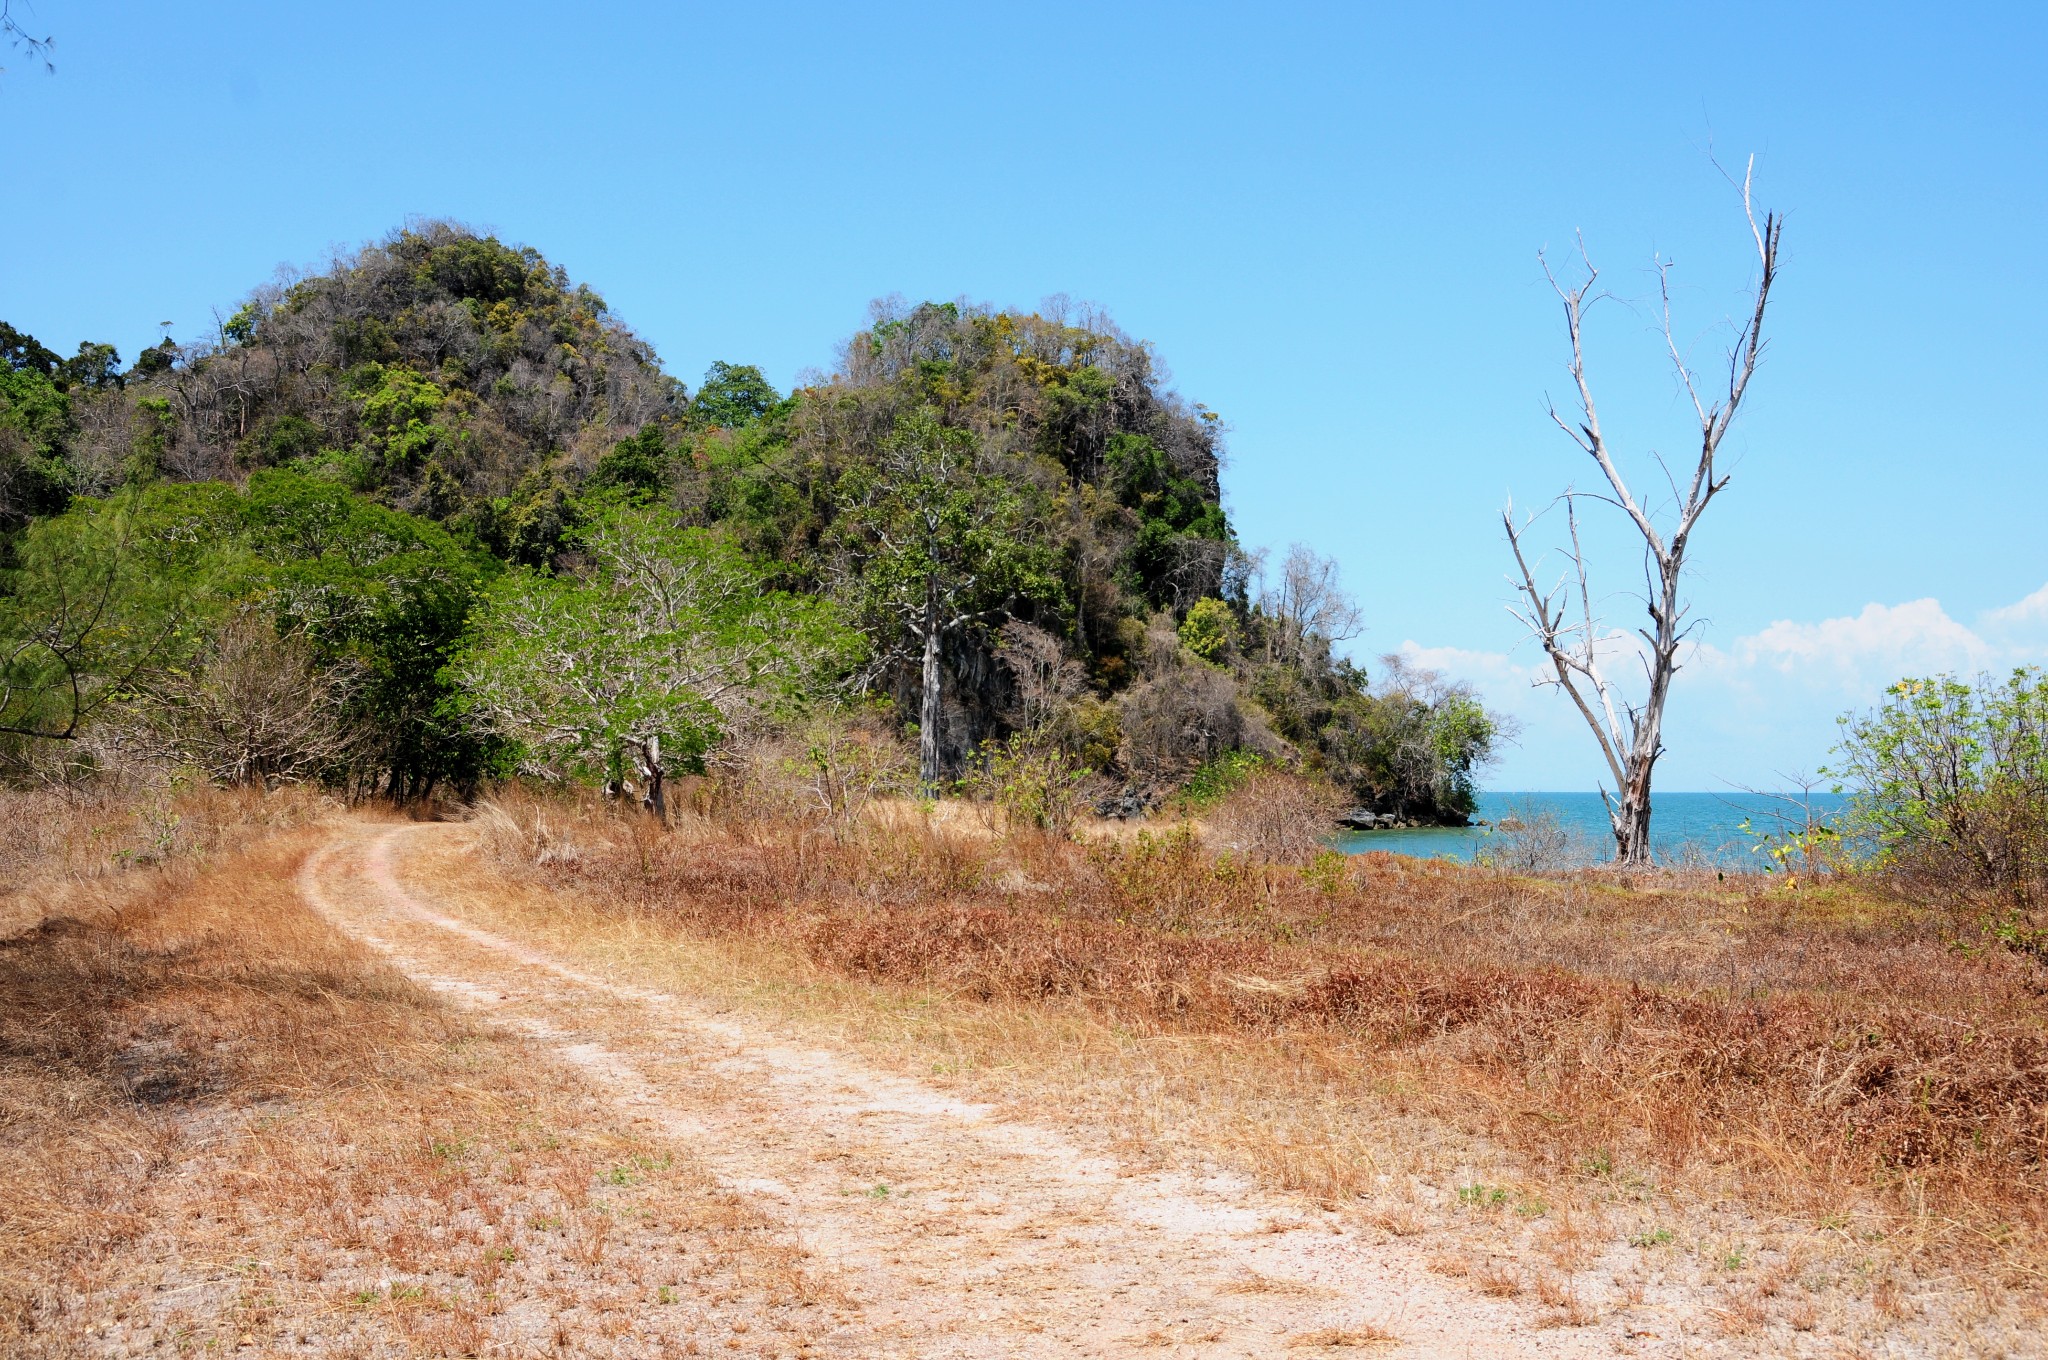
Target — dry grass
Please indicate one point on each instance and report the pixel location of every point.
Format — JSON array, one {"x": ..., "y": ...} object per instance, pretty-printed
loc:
[
  {"x": 66, "y": 847},
  {"x": 1826, "y": 1063},
  {"x": 1274, "y": 817},
  {"x": 1365, "y": 1334},
  {"x": 222, "y": 1125}
]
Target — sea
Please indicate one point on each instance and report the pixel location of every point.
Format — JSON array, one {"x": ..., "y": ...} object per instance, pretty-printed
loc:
[{"x": 1685, "y": 828}]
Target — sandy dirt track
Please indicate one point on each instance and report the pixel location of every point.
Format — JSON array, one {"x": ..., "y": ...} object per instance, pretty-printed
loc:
[{"x": 948, "y": 1231}]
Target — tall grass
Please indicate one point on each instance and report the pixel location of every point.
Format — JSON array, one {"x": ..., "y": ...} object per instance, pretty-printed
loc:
[{"x": 59, "y": 842}]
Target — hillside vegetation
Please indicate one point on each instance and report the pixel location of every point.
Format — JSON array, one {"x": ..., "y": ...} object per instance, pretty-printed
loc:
[{"x": 311, "y": 547}]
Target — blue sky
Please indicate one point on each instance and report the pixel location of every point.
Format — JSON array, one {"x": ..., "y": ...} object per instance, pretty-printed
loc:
[{"x": 1326, "y": 219}]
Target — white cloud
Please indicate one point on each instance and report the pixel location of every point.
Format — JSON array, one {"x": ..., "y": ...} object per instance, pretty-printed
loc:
[
  {"x": 1761, "y": 707},
  {"x": 2028, "y": 616},
  {"x": 1845, "y": 653}
]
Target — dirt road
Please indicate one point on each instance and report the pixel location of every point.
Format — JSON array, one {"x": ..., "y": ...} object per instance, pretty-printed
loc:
[{"x": 946, "y": 1230}]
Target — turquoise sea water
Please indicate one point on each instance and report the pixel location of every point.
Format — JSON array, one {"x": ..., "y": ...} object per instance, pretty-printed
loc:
[{"x": 1683, "y": 826}]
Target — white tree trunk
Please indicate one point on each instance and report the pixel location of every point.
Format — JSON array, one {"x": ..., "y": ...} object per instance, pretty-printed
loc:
[{"x": 929, "y": 701}]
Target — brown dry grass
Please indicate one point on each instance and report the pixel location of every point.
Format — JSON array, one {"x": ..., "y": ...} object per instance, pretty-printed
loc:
[
  {"x": 67, "y": 848},
  {"x": 222, "y": 1124},
  {"x": 1827, "y": 1063},
  {"x": 1365, "y": 1334}
]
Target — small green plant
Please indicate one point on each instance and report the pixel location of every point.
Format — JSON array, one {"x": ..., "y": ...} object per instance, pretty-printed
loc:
[
  {"x": 543, "y": 1223},
  {"x": 1599, "y": 1166},
  {"x": 881, "y": 1191},
  {"x": 1213, "y": 782},
  {"x": 665, "y": 1294},
  {"x": 1651, "y": 1237},
  {"x": 1035, "y": 784},
  {"x": 1532, "y": 1208},
  {"x": 1482, "y": 1196},
  {"x": 1735, "y": 1258},
  {"x": 1326, "y": 873}
]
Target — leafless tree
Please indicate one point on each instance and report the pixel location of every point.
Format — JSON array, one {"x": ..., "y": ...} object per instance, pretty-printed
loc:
[
  {"x": 1561, "y": 617},
  {"x": 258, "y": 711},
  {"x": 1306, "y": 608},
  {"x": 1046, "y": 677}
]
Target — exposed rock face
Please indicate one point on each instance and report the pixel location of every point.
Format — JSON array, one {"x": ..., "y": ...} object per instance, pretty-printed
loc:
[
  {"x": 1127, "y": 804},
  {"x": 1365, "y": 819}
]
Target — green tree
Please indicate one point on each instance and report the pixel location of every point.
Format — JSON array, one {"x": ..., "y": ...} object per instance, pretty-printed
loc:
[
  {"x": 1412, "y": 745},
  {"x": 108, "y": 597},
  {"x": 733, "y": 397},
  {"x": 636, "y": 467},
  {"x": 35, "y": 421},
  {"x": 1948, "y": 785},
  {"x": 666, "y": 643},
  {"x": 934, "y": 545},
  {"x": 385, "y": 596}
]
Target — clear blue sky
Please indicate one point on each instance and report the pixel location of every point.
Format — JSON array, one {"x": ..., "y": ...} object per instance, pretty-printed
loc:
[{"x": 1326, "y": 218}]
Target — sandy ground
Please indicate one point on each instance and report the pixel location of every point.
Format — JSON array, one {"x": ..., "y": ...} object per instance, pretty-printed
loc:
[{"x": 947, "y": 1230}]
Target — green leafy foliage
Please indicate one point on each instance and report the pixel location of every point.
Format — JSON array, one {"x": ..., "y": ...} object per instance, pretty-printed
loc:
[
  {"x": 929, "y": 539},
  {"x": 636, "y": 467},
  {"x": 733, "y": 397},
  {"x": 1209, "y": 630},
  {"x": 668, "y": 640},
  {"x": 1948, "y": 785},
  {"x": 388, "y": 594},
  {"x": 107, "y": 598}
]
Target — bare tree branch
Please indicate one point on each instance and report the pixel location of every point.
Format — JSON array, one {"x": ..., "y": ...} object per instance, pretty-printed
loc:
[{"x": 21, "y": 40}]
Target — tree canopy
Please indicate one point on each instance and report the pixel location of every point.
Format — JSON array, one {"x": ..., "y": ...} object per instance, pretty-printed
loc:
[{"x": 434, "y": 461}]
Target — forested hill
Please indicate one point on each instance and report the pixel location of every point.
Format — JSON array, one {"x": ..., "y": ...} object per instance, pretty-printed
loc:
[{"x": 1014, "y": 499}]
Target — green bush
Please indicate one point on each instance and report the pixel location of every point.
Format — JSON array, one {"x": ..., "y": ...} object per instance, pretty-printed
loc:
[{"x": 1948, "y": 787}]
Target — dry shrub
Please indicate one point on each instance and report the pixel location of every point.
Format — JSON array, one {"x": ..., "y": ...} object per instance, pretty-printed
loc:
[
  {"x": 1816, "y": 1049},
  {"x": 1276, "y": 817},
  {"x": 826, "y": 770},
  {"x": 1532, "y": 839},
  {"x": 1185, "y": 716},
  {"x": 1364, "y": 1334},
  {"x": 257, "y": 710},
  {"x": 1497, "y": 1281}
]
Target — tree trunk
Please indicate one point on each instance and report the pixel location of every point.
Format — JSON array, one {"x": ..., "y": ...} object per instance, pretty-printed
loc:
[
  {"x": 654, "y": 782},
  {"x": 1630, "y": 817},
  {"x": 929, "y": 701}
]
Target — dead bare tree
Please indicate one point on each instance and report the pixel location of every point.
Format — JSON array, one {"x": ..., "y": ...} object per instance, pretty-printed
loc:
[
  {"x": 1630, "y": 734},
  {"x": 1306, "y": 609}
]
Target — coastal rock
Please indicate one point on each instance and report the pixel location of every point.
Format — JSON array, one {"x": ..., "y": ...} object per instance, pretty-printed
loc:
[{"x": 1127, "y": 804}]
